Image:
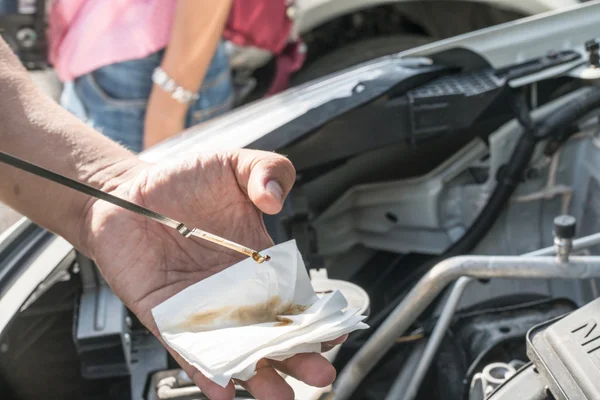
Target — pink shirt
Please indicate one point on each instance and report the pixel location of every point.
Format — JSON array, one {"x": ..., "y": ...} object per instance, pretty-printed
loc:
[{"x": 88, "y": 34}]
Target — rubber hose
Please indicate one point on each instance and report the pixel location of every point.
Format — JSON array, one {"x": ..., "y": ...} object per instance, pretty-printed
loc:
[{"x": 557, "y": 123}]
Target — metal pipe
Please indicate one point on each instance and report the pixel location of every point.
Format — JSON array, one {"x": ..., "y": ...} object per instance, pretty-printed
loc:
[
  {"x": 578, "y": 244},
  {"x": 409, "y": 392},
  {"x": 406, "y": 374},
  {"x": 426, "y": 290},
  {"x": 446, "y": 318}
]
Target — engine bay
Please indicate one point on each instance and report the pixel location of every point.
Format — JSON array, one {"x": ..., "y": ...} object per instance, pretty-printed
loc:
[{"x": 463, "y": 199}]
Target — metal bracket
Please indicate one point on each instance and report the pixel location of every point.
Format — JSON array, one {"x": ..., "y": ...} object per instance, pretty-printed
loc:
[
  {"x": 148, "y": 357},
  {"x": 176, "y": 385},
  {"x": 297, "y": 223},
  {"x": 61, "y": 273},
  {"x": 102, "y": 327}
]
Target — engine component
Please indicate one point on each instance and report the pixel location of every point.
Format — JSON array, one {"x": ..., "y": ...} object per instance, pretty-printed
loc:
[
  {"x": 441, "y": 204},
  {"x": 442, "y": 106},
  {"x": 176, "y": 385},
  {"x": 496, "y": 335},
  {"x": 566, "y": 353},
  {"x": 353, "y": 115},
  {"x": 38, "y": 358},
  {"x": 526, "y": 384},
  {"x": 430, "y": 286},
  {"x": 552, "y": 59},
  {"x": 555, "y": 123},
  {"x": 508, "y": 180},
  {"x": 147, "y": 356},
  {"x": 102, "y": 327},
  {"x": 451, "y": 103},
  {"x": 449, "y": 309},
  {"x": 424, "y": 290},
  {"x": 564, "y": 232},
  {"x": 486, "y": 381},
  {"x": 512, "y": 173},
  {"x": 408, "y": 378},
  {"x": 23, "y": 26},
  {"x": 409, "y": 391},
  {"x": 107, "y": 342},
  {"x": 593, "y": 49}
]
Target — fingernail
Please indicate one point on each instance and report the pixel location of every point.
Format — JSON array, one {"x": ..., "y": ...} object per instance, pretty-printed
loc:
[{"x": 275, "y": 189}]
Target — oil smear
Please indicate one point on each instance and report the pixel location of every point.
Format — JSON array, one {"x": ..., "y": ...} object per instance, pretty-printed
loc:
[{"x": 272, "y": 310}]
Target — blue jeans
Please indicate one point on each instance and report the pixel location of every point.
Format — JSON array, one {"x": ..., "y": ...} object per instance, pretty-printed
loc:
[{"x": 113, "y": 99}]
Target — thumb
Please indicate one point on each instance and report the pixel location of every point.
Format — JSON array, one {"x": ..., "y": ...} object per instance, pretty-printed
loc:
[{"x": 267, "y": 178}]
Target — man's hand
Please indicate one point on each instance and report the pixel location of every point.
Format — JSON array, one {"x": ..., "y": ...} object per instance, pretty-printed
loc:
[{"x": 146, "y": 263}]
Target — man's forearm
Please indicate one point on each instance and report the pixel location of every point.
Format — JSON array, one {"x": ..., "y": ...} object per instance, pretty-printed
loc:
[{"x": 35, "y": 128}]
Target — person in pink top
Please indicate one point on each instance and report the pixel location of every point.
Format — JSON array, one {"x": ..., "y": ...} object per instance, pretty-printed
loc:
[{"x": 141, "y": 71}]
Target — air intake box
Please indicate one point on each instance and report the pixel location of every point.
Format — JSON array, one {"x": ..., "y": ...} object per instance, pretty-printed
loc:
[{"x": 566, "y": 353}]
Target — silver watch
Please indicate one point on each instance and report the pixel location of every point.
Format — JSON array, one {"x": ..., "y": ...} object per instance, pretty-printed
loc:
[{"x": 164, "y": 81}]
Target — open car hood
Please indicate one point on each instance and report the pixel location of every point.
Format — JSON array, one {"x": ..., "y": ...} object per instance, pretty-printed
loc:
[{"x": 497, "y": 47}]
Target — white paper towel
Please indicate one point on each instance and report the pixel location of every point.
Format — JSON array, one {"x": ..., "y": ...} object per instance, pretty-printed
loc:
[{"x": 226, "y": 323}]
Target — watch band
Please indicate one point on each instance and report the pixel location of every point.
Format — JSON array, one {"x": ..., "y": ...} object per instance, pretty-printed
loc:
[{"x": 164, "y": 81}]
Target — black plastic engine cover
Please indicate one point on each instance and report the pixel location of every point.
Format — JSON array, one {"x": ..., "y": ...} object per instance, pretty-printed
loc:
[{"x": 567, "y": 353}]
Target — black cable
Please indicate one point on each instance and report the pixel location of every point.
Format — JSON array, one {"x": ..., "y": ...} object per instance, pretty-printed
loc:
[
  {"x": 508, "y": 181},
  {"x": 522, "y": 111},
  {"x": 508, "y": 178}
]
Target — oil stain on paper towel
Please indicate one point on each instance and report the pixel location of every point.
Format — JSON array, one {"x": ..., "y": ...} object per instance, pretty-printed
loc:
[{"x": 271, "y": 310}]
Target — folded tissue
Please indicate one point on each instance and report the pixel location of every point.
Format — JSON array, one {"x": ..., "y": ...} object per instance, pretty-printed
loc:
[{"x": 226, "y": 323}]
